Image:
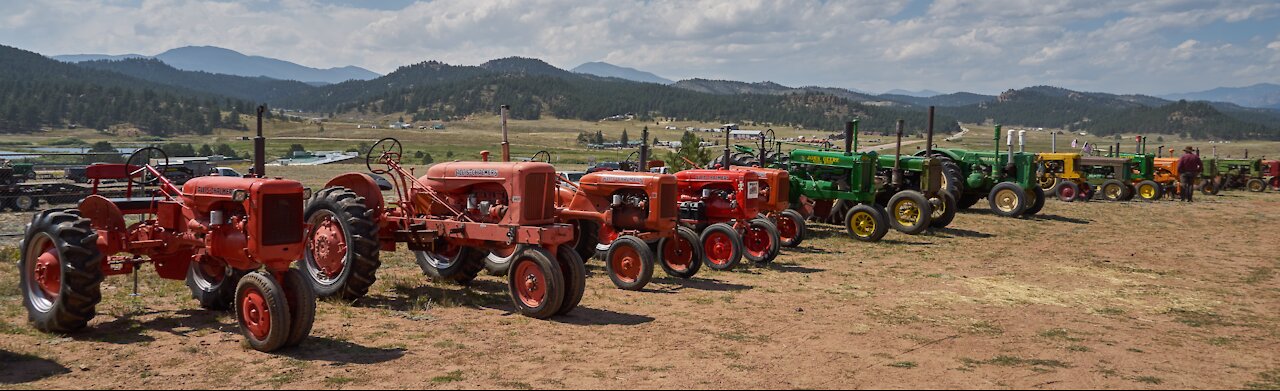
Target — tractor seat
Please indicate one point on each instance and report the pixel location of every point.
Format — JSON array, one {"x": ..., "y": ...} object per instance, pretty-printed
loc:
[{"x": 135, "y": 205}]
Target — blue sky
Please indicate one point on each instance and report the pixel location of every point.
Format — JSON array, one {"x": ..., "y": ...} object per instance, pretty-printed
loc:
[{"x": 1150, "y": 47}]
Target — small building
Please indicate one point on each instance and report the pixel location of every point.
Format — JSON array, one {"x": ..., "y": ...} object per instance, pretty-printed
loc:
[{"x": 746, "y": 134}]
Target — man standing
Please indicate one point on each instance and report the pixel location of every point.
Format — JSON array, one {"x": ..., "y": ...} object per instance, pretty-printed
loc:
[{"x": 1189, "y": 167}]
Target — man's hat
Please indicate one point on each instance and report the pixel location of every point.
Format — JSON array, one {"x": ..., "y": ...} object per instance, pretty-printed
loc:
[{"x": 1189, "y": 150}]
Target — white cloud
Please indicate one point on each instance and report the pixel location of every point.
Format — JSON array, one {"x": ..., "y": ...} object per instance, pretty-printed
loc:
[{"x": 982, "y": 45}]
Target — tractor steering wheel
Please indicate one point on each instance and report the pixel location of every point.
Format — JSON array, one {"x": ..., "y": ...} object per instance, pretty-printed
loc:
[
  {"x": 387, "y": 149},
  {"x": 541, "y": 153},
  {"x": 633, "y": 159},
  {"x": 142, "y": 158}
]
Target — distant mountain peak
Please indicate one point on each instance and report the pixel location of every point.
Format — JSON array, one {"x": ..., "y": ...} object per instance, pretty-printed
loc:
[
  {"x": 1261, "y": 95},
  {"x": 604, "y": 69},
  {"x": 215, "y": 59}
]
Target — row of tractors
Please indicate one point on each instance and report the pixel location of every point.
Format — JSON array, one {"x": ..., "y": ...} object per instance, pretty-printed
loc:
[{"x": 269, "y": 248}]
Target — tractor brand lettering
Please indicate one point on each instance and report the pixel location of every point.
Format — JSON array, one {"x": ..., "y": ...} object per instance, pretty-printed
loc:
[
  {"x": 822, "y": 159},
  {"x": 712, "y": 177},
  {"x": 214, "y": 191},
  {"x": 473, "y": 172},
  {"x": 621, "y": 179}
]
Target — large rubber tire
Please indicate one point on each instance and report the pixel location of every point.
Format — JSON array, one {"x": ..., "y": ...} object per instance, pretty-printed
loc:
[
  {"x": 25, "y": 203},
  {"x": 792, "y": 228},
  {"x": 1115, "y": 190},
  {"x": 680, "y": 255},
  {"x": 1211, "y": 187},
  {"x": 1256, "y": 185},
  {"x": 839, "y": 209},
  {"x": 1038, "y": 198},
  {"x": 866, "y": 223},
  {"x": 967, "y": 201},
  {"x": 498, "y": 261},
  {"x": 761, "y": 242},
  {"x": 722, "y": 247},
  {"x": 64, "y": 238},
  {"x": 1067, "y": 191},
  {"x": 575, "y": 278},
  {"x": 358, "y": 226},
  {"x": 944, "y": 212},
  {"x": 214, "y": 286},
  {"x": 536, "y": 283},
  {"x": 1149, "y": 191},
  {"x": 302, "y": 306},
  {"x": 909, "y": 212},
  {"x": 1007, "y": 199},
  {"x": 262, "y": 311},
  {"x": 451, "y": 263},
  {"x": 953, "y": 177},
  {"x": 629, "y": 263},
  {"x": 586, "y": 236}
]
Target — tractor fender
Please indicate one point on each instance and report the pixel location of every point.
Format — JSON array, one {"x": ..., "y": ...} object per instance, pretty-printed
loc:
[
  {"x": 107, "y": 219},
  {"x": 363, "y": 185}
]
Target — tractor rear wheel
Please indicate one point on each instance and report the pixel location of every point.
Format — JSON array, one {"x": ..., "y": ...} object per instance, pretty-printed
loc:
[
  {"x": 1037, "y": 197},
  {"x": 1115, "y": 190},
  {"x": 791, "y": 228},
  {"x": 24, "y": 203},
  {"x": 910, "y": 212},
  {"x": 213, "y": 283},
  {"x": 629, "y": 263},
  {"x": 341, "y": 257},
  {"x": 575, "y": 278},
  {"x": 1256, "y": 185},
  {"x": 952, "y": 177},
  {"x": 537, "y": 285},
  {"x": 302, "y": 306},
  {"x": 1067, "y": 191},
  {"x": 967, "y": 201},
  {"x": 61, "y": 271},
  {"x": 866, "y": 223},
  {"x": 944, "y": 210},
  {"x": 1149, "y": 191},
  {"x": 1209, "y": 187},
  {"x": 839, "y": 210},
  {"x": 1047, "y": 183},
  {"x": 450, "y": 262},
  {"x": 722, "y": 247},
  {"x": 586, "y": 236},
  {"x": 762, "y": 242},
  {"x": 262, "y": 310},
  {"x": 680, "y": 255},
  {"x": 1007, "y": 199}
]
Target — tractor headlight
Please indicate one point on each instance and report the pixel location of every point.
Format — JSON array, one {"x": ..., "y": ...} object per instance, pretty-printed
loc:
[
  {"x": 239, "y": 196},
  {"x": 306, "y": 193}
]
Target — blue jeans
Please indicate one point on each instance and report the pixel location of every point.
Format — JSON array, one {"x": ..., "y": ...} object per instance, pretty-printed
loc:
[{"x": 1188, "y": 185}]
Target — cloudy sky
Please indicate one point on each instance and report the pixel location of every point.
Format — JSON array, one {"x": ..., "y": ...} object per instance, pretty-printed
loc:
[{"x": 1152, "y": 47}]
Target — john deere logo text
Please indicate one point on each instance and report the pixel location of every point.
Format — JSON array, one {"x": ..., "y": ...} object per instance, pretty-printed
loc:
[
  {"x": 822, "y": 159},
  {"x": 621, "y": 179},
  {"x": 475, "y": 172}
]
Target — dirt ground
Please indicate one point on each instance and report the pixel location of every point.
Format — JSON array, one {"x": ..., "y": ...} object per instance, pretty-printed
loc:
[{"x": 1088, "y": 295}]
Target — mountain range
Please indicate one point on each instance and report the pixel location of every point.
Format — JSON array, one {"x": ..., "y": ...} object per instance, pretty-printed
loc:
[
  {"x": 1263, "y": 95},
  {"x": 604, "y": 69},
  {"x": 225, "y": 61}
]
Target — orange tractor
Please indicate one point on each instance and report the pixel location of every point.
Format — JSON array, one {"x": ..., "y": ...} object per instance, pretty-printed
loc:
[
  {"x": 725, "y": 206},
  {"x": 1166, "y": 174},
  {"x": 214, "y": 232},
  {"x": 451, "y": 219}
]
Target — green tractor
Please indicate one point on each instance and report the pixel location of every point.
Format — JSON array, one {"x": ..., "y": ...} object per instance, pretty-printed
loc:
[
  {"x": 1241, "y": 173},
  {"x": 1008, "y": 180}
]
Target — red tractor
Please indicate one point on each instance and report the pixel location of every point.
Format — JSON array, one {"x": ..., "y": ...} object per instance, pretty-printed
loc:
[
  {"x": 775, "y": 204},
  {"x": 451, "y": 218},
  {"x": 724, "y": 205},
  {"x": 214, "y": 232},
  {"x": 1271, "y": 171}
]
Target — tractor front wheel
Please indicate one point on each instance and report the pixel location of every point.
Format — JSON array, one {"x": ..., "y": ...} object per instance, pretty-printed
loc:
[
  {"x": 680, "y": 255},
  {"x": 575, "y": 278},
  {"x": 1067, "y": 191},
  {"x": 341, "y": 257},
  {"x": 1209, "y": 187},
  {"x": 262, "y": 310},
  {"x": 24, "y": 203},
  {"x": 910, "y": 212},
  {"x": 61, "y": 271},
  {"x": 1007, "y": 199},
  {"x": 722, "y": 247},
  {"x": 762, "y": 242},
  {"x": 302, "y": 306},
  {"x": 866, "y": 223},
  {"x": 1256, "y": 185},
  {"x": 1149, "y": 191},
  {"x": 1114, "y": 190},
  {"x": 629, "y": 263},
  {"x": 944, "y": 210},
  {"x": 792, "y": 228},
  {"x": 536, "y": 283},
  {"x": 1037, "y": 197}
]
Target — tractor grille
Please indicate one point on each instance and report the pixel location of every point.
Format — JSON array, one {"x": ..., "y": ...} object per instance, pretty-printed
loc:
[
  {"x": 667, "y": 200},
  {"x": 283, "y": 214},
  {"x": 537, "y": 196}
]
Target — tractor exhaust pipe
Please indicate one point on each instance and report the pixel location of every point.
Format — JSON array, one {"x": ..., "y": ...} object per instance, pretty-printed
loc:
[
  {"x": 506, "y": 145},
  {"x": 1022, "y": 141},
  {"x": 850, "y": 134},
  {"x": 727, "y": 156},
  {"x": 1009, "y": 142},
  {"x": 996, "y": 140},
  {"x": 928, "y": 138},
  {"x": 897, "y": 158},
  {"x": 644, "y": 149},
  {"x": 260, "y": 148},
  {"x": 1053, "y": 142}
]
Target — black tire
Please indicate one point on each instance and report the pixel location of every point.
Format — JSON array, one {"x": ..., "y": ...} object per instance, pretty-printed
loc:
[
  {"x": 25, "y": 203},
  {"x": 726, "y": 247},
  {"x": 799, "y": 227},
  {"x": 497, "y": 264},
  {"x": 575, "y": 278},
  {"x": 630, "y": 256},
  {"x": 1149, "y": 191},
  {"x": 533, "y": 268},
  {"x": 839, "y": 210},
  {"x": 1114, "y": 190},
  {"x": 214, "y": 292},
  {"x": 1007, "y": 199},
  {"x": 1037, "y": 203},
  {"x": 761, "y": 233},
  {"x": 75, "y": 244},
  {"x": 302, "y": 306},
  {"x": 967, "y": 201},
  {"x": 460, "y": 266},
  {"x": 248, "y": 312},
  {"x": 909, "y": 212},
  {"x": 944, "y": 212},
  {"x": 952, "y": 176},
  {"x": 866, "y": 223},
  {"x": 682, "y": 248},
  {"x": 1256, "y": 185},
  {"x": 1067, "y": 191},
  {"x": 359, "y": 226},
  {"x": 586, "y": 236},
  {"x": 1211, "y": 187}
]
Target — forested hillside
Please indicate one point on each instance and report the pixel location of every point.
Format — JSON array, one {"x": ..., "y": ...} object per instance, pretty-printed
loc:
[{"x": 254, "y": 89}]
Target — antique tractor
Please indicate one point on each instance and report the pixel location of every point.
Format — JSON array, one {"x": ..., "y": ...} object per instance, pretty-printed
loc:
[
  {"x": 724, "y": 206},
  {"x": 1271, "y": 171},
  {"x": 631, "y": 218},
  {"x": 1242, "y": 173},
  {"x": 214, "y": 232},
  {"x": 775, "y": 186},
  {"x": 1166, "y": 173},
  {"x": 451, "y": 219},
  {"x": 1008, "y": 180},
  {"x": 1078, "y": 177}
]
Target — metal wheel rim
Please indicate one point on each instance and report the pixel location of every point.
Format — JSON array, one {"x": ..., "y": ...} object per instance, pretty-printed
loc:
[
  {"x": 718, "y": 248},
  {"x": 787, "y": 228},
  {"x": 757, "y": 242},
  {"x": 906, "y": 211},
  {"x": 530, "y": 283},
  {"x": 626, "y": 263},
  {"x": 1006, "y": 200},
  {"x": 255, "y": 313},
  {"x": 862, "y": 224},
  {"x": 678, "y": 253},
  {"x": 320, "y": 219},
  {"x": 41, "y": 244},
  {"x": 1113, "y": 191},
  {"x": 1147, "y": 191}
]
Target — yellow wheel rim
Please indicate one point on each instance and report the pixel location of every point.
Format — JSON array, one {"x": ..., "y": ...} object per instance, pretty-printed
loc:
[
  {"x": 1047, "y": 182},
  {"x": 862, "y": 224},
  {"x": 906, "y": 211},
  {"x": 1007, "y": 200},
  {"x": 1113, "y": 192},
  {"x": 939, "y": 208},
  {"x": 1147, "y": 191},
  {"x": 1255, "y": 186}
]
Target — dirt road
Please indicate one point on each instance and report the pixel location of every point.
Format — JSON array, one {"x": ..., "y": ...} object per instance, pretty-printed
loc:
[{"x": 1089, "y": 295}]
